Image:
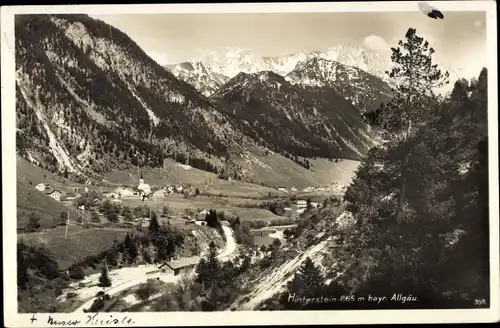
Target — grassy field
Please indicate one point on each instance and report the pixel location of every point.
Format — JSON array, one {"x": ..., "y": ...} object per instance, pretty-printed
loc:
[
  {"x": 31, "y": 200},
  {"x": 179, "y": 204},
  {"x": 279, "y": 171},
  {"x": 171, "y": 173},
  {"x": 79, "y": 244}
]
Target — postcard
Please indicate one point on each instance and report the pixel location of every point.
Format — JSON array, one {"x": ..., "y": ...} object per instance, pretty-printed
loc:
[{"x": 233, "y": 164}]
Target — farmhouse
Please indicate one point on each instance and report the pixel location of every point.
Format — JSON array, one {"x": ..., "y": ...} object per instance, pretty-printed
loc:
[
  {"x": 41, "y": 186},
  {"x": 183, "y": 265},
  {"x": 282, "y": 189},
  {"x": 56, "y": 194},
  {"x": 293, "y": 189},
  {"x": 179, "y": 188}
]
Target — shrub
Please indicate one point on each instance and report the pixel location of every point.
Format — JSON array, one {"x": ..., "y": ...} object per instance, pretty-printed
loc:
[
  {"x": 76, "y": 273},
  {"x": 71, "y": 295}
]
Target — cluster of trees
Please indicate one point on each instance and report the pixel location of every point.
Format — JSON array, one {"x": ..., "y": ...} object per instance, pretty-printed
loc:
[
  {"x": 241, "y": 231},
  {"x": 213, "y": 220},
  {"x": 217, "y": 280},
  {"x": 159, "y": 243},
  {"x": 39, "y": 279},
  {"x": 421, "y": 199},
  {"x": 305, "y": 163},
  {"x": 214, "y": 287}
]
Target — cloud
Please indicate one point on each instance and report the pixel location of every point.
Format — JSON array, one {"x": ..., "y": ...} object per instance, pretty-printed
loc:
[
  {"x": 159, "y": 57},
  {"x": 376, "y": 42}
]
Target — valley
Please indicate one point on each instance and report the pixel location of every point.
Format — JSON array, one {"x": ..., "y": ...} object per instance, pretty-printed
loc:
[{"x": 229, "y": 182}]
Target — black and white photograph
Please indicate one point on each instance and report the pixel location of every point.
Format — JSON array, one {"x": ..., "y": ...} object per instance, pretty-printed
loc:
[{"x": 170, "y": 161}]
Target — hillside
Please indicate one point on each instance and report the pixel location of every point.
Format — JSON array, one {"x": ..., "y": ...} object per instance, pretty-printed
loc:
[
  {"x": 291, "y": 120},
  {"x": 89, "y": 100}
]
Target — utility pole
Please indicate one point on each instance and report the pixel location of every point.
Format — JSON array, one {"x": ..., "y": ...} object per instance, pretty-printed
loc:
[{"x": 67, "y": 223}]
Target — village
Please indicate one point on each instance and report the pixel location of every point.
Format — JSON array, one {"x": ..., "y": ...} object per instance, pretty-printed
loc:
[{"x": 155, "y": 197}]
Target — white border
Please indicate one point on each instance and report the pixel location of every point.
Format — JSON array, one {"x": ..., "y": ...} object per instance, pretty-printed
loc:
[{"x": 12, "y": 319}]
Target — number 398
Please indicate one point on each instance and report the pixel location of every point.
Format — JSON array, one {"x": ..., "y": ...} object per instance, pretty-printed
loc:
[{"x": 480, "y": 302}]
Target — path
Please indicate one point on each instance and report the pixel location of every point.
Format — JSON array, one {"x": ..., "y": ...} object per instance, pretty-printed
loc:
[{"x": 224, "y": 255}]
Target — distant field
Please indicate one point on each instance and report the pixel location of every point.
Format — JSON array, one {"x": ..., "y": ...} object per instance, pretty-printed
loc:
[
  {"x": 79, "y": 244},
  {"x": 279, "y": 171},
  {"x": 178, "y": 204},
  {"x": 171, "y": 173}
]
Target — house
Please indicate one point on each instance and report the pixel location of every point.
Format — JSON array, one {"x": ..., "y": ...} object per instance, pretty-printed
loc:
[
  {"x": 56, "y": 194},
  {"x": 179, "y": 189},
  {"x": 112, "y": 195},
  {"x": 69, "y": 196},
  {"x": 183, "y": 265},
  {"x": 300, "y": 210},
  {"x": 282, "y": 189},
  {"x": 41, "y": 186},
  {"x": 301, "y": 204},
  {"x": 287, "y": 209},
  {"x": 293, "y": 189}
]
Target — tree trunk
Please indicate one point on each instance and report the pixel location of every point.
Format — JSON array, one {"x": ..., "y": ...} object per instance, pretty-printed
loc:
[{"x": 402, "y": 190}]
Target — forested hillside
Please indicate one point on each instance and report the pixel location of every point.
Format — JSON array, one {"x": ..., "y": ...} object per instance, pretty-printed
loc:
[{"x": 418, "y": 206}]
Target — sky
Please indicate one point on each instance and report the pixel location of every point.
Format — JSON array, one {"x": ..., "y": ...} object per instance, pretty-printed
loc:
[{"x": 459, "y": 39}]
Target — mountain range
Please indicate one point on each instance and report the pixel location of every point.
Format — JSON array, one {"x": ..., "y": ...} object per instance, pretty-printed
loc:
[
  {"x": 90, "y": 100},
  {"x": 359, "y": 75}
]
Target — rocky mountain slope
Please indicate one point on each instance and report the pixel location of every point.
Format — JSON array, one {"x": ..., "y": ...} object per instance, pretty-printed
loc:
[
  {"x": 289, "y": 118},
  {"x": 364, "y": 90},
  {"x": 196, "y": 74},
  {"x": 358, "y": 75},
  {"x": 90, "y": 100},
  {"x": 231, "y": 61}
]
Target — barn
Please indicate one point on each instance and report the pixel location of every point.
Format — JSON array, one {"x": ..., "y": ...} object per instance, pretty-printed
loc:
[{"x": 183, "y": 265}]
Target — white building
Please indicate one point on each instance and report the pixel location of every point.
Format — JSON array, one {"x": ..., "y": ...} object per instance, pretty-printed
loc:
[
  {"x": 56, "y": 194},
  {"x": 144, "y": 188},
  {"x": 282, "y": 189},
  {"x": 301, "y": 204},
  {"x": 41, "y": 186},
  {"x": 293, "y": 189},
  {"x": 179, "y": 188}
]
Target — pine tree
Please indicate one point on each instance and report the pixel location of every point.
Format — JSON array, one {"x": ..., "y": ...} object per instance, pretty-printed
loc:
[
  {"x": 104, "y": 279},
  {"x": 127, "y": 213},
  {"x": 33, "y": 223},
  {"x": 208, "y": 269},
  {"x": 307, "y": 282},
  {"x": 154, "y": 226}
]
